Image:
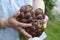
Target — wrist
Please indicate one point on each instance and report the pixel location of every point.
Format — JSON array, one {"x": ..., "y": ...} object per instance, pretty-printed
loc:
[{"x": 4, "y": 22}]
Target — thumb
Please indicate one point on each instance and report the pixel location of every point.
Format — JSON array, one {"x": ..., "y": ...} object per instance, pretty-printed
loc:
[{"x": 17, "y": 14}]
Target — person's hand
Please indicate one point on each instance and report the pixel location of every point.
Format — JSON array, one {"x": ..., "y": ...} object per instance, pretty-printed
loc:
[
  {"x": 45, "y": 21},
  {"x": 11, "y": 21}
]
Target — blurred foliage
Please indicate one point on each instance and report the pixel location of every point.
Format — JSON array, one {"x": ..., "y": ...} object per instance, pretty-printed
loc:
[
  {"x": 53, "y": 30},
  {"x": 49, "y": 5}
]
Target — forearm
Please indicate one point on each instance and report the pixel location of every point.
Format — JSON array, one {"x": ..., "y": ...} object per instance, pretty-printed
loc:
[
  {"x": 3, "y": 22},
  {"x": 39, "y": 4}
]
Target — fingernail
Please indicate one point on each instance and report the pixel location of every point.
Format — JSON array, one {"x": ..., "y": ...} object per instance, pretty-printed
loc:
[
  {"x": 30, "y": 24},
  {"x": 30, "y": 36}
]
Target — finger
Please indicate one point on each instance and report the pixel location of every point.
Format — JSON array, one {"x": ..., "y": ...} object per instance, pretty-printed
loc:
[
  {"x": 20, "y": 24},
  {"x": 25, "y": 24},
  {"x": 24, "y": 33},
  {"x": 17, "y": 14}
]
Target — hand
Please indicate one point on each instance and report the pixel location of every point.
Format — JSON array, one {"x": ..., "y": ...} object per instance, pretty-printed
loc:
[
  {"x": 45, "y": 21},
  {"x": 11, "y": 21},
  {"x": 24, "y": 33}
]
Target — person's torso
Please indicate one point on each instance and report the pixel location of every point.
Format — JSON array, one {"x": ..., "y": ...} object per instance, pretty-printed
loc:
[{"x": 7, "y": 8}]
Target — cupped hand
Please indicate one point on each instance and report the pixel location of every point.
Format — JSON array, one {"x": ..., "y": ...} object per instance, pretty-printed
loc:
[{"x": 11, "y": 21}]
